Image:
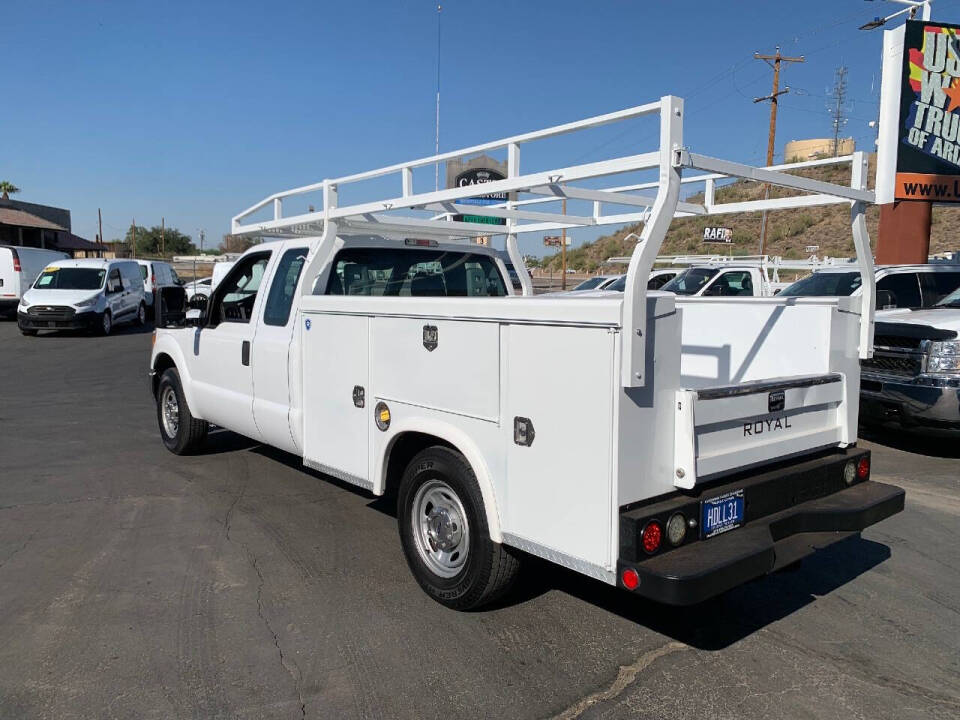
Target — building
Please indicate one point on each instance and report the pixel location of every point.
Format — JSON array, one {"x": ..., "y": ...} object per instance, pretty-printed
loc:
[
  {"x": 814, "y": 148},
  {"x": 42, "y": 226}
]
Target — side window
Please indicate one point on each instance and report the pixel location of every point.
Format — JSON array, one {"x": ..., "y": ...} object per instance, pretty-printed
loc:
[
  {"x": 237, "y": 293},
  {"x": 659, "y": 281},
  {"x": 283, "y": 287},
  {"x": 732, "y": 284},
  {"x": 114, "y": 284},
  {"x": 414, "y": 273},
  {"x": 899, "y": 290},
  {"x": 937, "y": 285}
]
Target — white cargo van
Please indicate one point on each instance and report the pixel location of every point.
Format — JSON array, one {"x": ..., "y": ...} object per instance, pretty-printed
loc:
[
  {"x": 89, "y": 294},
  {"x": 156, "y": 274},
  {"x": 19, "y": 267},
  {"x": 711, "y": 440}
]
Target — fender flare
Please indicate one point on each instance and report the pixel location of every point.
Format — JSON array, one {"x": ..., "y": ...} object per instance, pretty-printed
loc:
[
  {"x": 461, "y": 442},
  {"x": 166, "y": 345}
]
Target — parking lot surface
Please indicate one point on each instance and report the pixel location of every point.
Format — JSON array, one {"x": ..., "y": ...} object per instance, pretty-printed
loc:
[{"x": 237, "y": 584}]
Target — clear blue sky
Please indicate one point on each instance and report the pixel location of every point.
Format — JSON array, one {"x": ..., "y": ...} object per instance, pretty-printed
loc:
[{"x": 195, "y": 110}]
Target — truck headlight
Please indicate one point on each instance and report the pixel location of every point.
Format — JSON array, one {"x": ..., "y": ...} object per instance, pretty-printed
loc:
[
  {"x": 943, "y": 357},
  {"x": 89, "y": 302}
]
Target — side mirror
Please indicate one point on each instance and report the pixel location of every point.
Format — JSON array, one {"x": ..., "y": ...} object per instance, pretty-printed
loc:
[{"x": 170, "y": 306}]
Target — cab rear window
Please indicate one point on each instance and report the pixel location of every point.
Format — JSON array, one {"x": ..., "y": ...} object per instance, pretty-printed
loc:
[{"x": 390, "y": 272}]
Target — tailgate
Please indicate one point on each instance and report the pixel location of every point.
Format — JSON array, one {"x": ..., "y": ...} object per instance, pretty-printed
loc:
[{"x": 731, "y": 427}]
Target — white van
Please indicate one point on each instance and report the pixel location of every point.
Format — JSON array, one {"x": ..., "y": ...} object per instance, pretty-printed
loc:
[
  {"x": 19, "y": 267},
  {"x": 86, "y": 294},
  {"x": 156, "y": 274}
]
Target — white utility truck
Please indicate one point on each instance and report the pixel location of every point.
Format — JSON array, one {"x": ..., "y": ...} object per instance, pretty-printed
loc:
[{"x": 690, "y": 444}]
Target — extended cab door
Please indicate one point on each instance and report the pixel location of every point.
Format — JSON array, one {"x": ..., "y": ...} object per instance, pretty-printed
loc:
[
  {"x": 273, "y": 357},
  {"x": 220, "y": 366}
]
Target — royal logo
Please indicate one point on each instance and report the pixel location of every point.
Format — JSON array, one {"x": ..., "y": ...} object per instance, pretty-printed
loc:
[{"x": 759, "y": 427}]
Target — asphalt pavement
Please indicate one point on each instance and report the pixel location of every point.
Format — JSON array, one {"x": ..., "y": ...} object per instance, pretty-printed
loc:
[{"x": 237, "y": 584}]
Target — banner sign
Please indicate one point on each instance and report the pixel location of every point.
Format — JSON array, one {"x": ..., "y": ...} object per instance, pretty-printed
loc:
[
  {"x": 928, "y": 139},
  {"x": 555, "y": 240},
  {"x": 717, "y": 235}
]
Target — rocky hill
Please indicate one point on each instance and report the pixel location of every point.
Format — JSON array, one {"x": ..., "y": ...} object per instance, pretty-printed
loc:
[{"x": 788, "y": 232}]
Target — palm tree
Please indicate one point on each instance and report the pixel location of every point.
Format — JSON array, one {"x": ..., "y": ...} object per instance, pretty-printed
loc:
[{"x": 7, "y": 187}]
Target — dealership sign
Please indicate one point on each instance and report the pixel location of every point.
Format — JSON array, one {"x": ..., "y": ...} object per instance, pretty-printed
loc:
[
  {"x": 919, "y": 145},
  {"x": 477, "y": 171},
  {"x": 717, "y": 235}
]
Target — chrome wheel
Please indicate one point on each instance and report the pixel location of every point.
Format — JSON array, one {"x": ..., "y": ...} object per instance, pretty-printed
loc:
[
  {"x": 170, "y": 411},
  {"x": 440, "y": 529}
]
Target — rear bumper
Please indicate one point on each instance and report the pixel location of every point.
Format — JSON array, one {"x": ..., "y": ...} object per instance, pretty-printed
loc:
[
  {"x": 700, "y": 569},
  {"x": 8, "y": 305},
  {"x": 80, "y": 321},
  {"x": 933, "y": 403}
]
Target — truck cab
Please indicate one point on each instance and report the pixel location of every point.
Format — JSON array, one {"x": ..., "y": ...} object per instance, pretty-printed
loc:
[
  {"x": 898, "y": 286},
  {"x": 721, "y": 280}
]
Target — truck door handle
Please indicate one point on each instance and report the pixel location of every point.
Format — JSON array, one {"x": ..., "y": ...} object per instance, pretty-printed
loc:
[{"x": 245, "y": 352}]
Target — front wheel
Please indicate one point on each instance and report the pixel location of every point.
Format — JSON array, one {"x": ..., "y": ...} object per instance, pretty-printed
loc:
[
  {"x": 180, "y": 431},
  {"x": 444, "y": 533},
  {"x": 106, "y": 323},
  {"x": 142, "y": 315}
]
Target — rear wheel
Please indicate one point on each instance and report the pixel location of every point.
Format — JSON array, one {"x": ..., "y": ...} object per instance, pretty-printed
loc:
[
  {"x": 444, "y": 533},
  {"x": 142, "y": 315},
  {"x": 180, "y": 431}
]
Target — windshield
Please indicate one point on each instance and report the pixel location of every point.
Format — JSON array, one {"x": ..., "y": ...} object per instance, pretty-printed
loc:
[
  {"x": 70, "y": 278},
  {"x": 951, "y": 300},
  {"x": 590, "y": 283},
  {"x": 690, "y": 281},
  {"x": 822, "y": 284},
  {"x": 618, "y": 285}
]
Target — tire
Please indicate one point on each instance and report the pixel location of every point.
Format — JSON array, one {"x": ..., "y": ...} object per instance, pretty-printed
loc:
[
  {"x": 439, "y": 503},
  {"x": 180, "y": 431},
  {"x": 141, "y": 315},
  {"x": 106, "y": 323},
  {"x": 28, "y": 332}
]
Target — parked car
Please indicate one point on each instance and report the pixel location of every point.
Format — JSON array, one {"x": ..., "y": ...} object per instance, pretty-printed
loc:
[
  {"x": 913, "y": 379},
  {"x": 722, "y": 280},
  {"x": 658, "y": 278},
  {"x": 156, "y": 274},
  {"x": 898, "y": 286},
  {"x": 597, "y": 282},
  {"x": 19, "y": 267},
  {"x": 89, "y": 294},
  {"x": 198, "y": 287}
]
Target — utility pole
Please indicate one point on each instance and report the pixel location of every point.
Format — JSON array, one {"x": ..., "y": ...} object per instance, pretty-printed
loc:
[
  {"x": 201, "y": 242},
  {"x": 100, "y": 225},
  {"x": 133, "y": 243},
  {"x": 162, "y": 223},
  {"x": 436, "y": 145},
  {"x": 838, "y": 111},
  {"x": 563, "y": 250},
  {"x": 774, "y": 62}
]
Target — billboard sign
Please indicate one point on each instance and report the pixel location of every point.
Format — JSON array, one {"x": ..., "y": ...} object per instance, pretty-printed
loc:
[
  {"x": 717, "y": 235},
  {"x": 555, "y": 240},
  {"x": 477, "y": 171},
  {"x": 928, "y": 129}
]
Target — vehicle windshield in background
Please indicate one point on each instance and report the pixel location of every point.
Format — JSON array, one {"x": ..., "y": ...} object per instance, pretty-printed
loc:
[
  {"x": 952, "y": 300},
  {"x": 690, "y": 281},
  {"x": 618, "y": 285},
  {"x": 824, "y": 284},
  {"x": 590, "y": 283},
  {"x": 70, "y": 278}
]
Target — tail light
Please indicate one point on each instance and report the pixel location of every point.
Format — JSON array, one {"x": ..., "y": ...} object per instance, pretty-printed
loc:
[
  {"x": 630, "y": 579},
  {"x": 652, "y": 536},
  {"x": 863, "y": 467},
  {"x": 16, "y": 263}
]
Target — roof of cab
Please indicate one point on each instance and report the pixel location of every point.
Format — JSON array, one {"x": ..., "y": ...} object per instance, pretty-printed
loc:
[{"x": 88, "y": 262}]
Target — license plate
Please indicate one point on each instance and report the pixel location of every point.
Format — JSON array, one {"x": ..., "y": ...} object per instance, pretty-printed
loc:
[{"x": 722, "y": 513}]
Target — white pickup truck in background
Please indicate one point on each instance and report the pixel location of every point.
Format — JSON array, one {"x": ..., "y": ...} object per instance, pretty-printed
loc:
[{"x": 691, "y": 444}]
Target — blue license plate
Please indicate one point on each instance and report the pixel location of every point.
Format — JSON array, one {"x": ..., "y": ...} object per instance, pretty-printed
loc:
[{"x": 722, "y": 513}]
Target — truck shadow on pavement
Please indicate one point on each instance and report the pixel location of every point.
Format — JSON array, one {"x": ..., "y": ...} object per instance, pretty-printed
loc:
[{"x": 711, "y": 625}]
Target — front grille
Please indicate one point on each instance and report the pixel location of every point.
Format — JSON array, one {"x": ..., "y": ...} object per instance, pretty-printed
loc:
[
  {"x": 907, "y": 365},
  {"x": 896, "y": 341},
  {"x": 52, "y": 312}
]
